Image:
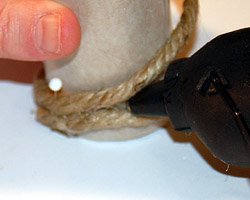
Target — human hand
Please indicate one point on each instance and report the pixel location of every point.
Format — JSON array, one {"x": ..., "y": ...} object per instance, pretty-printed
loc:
[{"x": 37, "y": 30}]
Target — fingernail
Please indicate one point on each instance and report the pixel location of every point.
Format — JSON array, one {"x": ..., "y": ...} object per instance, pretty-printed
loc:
[{"x": 48, "y": 33}]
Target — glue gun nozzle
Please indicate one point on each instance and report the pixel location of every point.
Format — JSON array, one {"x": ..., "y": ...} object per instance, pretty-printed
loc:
[{"x": 149, "y": 101}]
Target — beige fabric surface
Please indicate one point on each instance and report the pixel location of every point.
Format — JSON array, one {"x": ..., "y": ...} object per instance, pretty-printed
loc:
[{"x": 118, "y": 38}]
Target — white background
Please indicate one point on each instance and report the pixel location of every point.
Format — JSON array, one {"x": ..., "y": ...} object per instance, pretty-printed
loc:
[{"x": 36, "y": 163}]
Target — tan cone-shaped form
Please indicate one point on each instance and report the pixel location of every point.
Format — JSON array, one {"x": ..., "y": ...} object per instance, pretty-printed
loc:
[{"x": 118, "y": 38}]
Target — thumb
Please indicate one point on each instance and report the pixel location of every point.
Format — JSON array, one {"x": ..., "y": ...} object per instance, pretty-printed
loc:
[{"x": 37, "y": 30}]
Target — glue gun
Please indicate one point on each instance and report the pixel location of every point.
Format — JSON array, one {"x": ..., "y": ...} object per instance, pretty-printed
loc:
[{"x": 208, "y": 93}]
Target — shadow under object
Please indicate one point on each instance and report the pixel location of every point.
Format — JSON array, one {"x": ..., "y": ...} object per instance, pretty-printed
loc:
[{"x": 19, "y": 71}]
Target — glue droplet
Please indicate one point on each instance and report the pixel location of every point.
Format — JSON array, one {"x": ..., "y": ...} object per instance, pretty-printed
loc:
[{"x": 55, "y": 84}]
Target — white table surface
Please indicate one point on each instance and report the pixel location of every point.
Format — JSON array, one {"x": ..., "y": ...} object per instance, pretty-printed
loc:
[{"x": 37, "y": 163}]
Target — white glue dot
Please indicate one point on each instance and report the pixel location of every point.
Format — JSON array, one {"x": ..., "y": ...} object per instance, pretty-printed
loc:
[{"x": 55, "y": 84}]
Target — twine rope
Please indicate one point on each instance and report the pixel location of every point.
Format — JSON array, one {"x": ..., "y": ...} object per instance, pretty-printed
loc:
[{"x": 76, "y": 113}]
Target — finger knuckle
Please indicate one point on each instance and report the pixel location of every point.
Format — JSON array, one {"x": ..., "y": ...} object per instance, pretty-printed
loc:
[
  {"x": 5, "y": 26},
  {"x": 9, "y": 29}
]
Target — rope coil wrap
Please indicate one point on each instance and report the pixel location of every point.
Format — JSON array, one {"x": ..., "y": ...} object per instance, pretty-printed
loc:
[{"x": 76, "y": 113}]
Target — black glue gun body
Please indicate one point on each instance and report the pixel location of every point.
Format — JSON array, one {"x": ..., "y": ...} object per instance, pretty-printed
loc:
[{"x": 208, "y": 93}]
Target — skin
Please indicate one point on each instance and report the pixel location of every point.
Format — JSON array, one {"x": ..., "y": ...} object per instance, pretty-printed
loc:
[
  {"x": 19, "y": 24},
  {"x": 19, "y": 40}
]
